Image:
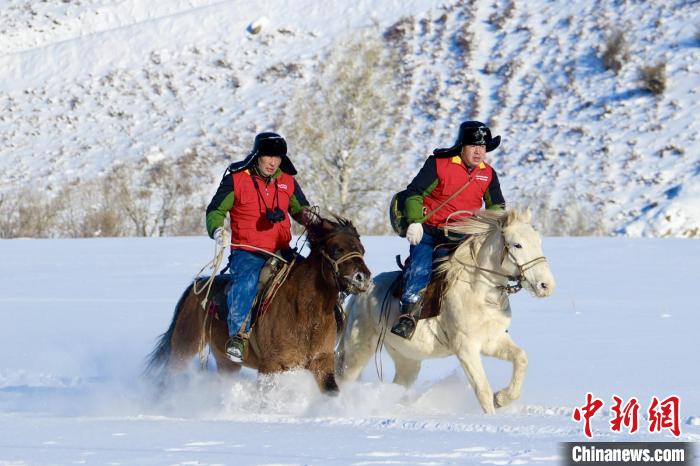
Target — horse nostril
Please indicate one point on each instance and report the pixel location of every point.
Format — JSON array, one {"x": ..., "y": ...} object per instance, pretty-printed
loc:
[
  {"x": 544, "y": 286},
  {"x": 359, "y": 277}
]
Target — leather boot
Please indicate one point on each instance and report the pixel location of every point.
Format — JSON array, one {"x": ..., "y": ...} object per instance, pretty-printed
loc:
[{"x": 406, "y": 326}]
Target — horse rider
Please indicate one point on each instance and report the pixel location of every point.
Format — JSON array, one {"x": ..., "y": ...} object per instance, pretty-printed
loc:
[
  {"x": 452, "y": 180},
  {"x": 258, "y": 194}
]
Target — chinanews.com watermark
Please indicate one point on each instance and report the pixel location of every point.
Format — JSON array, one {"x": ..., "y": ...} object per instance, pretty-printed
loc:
[
  {"x": 625, "y": 417},
  {"x": 630, "y": 453}
]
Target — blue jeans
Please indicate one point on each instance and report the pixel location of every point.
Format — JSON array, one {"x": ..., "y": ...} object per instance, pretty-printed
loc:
[
  {"x": 420, "y": 267},
  {"x": 245, "y": 272}
]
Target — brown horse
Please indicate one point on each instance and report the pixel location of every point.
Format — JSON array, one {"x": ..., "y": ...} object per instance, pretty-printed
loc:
[{"x": 298, "y": 329}]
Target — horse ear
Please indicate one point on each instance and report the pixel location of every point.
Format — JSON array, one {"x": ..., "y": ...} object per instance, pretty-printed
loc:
[
  {"x": 511, "y": 217},
  {"x": 319, "y": 229},
  {"x": 327, "y": 225},
  {"x": 314, "y": 230},
  {"x": 515, "y": 215},
  {"x": 352, "y": 228}
]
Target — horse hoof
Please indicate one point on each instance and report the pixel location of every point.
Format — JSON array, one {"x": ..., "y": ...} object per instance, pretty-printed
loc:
[
  {"x": 330, "y": 386},
  {"x": 500, "y": 400}
]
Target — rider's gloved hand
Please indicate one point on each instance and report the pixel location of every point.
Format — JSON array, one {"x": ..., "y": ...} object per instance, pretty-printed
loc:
[
  {"x": 220, "y": 237},
  {"x": 414, "y": 233}
]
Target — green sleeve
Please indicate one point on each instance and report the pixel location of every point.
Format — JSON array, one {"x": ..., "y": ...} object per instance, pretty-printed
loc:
[
  {"x": 493, "y": 198},
  {"x": 220, "y": 205},
  {"x": 423, "y": 184},
  {"x": 297, "y": 203},
  {"x": 217, "y": 216},
  {"x": 414, "y": 204}
]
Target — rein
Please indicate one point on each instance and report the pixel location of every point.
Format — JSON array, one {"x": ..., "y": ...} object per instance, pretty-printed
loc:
[
  {"x": 271, "y": 254},
  {"x": 508, "y": 288},
  {"x": 215, "y": 265},
  {"x": 517, "y": 279}
]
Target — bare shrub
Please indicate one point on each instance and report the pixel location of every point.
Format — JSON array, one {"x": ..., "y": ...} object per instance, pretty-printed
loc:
[
  {"x": 133, "y": 202},
  {"x": 616, "y": 51},
  {"x": 398, "y": 31},
  {"x": 25, "y": 213},
  {"x": 464, "y": 40},
  {"x": 654, "y": 78},
  {"x": 152, "y": 197},
  {"x": 131, "y": 199},
  {"x": 82, "y": 210},
  {"x": 190, "y": 220},
  {"x": 345, "y": 121},
  {"x": 9, "y": 206},
  {"x": 568, "y": 217},
  {"x": 500, "y": 18},
  {"x": 281, "y": 71}
]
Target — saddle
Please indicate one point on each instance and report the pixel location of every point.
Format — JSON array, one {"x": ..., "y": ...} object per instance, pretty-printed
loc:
[
  {"x": 432, "y": 295},
  {"x": 272, "y": 276}
]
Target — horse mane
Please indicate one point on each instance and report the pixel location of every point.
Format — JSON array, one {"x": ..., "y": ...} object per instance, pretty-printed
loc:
[
  {"x": 317, "y": 234},
  {"x": 346, "y": 225},
  {"x": 477, "y": 228}
]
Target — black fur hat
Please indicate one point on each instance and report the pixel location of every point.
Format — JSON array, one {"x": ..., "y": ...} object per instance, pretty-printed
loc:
[
  {"x": 271, "y": 144},
  {"x": 470, "y": 133}
]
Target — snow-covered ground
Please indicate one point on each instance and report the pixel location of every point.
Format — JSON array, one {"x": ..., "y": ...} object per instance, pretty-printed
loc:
[
  {"x": 77, "y": 318},
  {"x": 86, "y": 85}
]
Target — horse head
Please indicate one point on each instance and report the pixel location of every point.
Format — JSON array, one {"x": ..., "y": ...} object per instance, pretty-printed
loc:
[
  {"x": 523, "y": 257},
  {"x": 342, "y": 254},
  {"x": 501, "y": 244}
]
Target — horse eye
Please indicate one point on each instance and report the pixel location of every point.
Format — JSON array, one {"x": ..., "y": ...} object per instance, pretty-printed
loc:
[{"x": 518, "y": 246}]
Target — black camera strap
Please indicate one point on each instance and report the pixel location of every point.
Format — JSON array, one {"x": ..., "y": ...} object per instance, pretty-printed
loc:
[{"x": 276, "y": 200}]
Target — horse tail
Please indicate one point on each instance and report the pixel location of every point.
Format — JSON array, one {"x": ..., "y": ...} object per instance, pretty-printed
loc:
[{"x": 159, "y": 358}]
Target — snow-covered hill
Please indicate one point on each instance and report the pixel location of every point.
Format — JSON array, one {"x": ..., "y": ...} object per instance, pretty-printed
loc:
[{"x": 86, "y": 84}]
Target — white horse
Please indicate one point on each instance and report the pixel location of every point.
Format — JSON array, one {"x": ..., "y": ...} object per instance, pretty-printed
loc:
[{"x": 474, "y": 311}]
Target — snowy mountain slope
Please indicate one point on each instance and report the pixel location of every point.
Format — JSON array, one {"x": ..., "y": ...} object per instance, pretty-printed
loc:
[{"x": 87, "y": 84}]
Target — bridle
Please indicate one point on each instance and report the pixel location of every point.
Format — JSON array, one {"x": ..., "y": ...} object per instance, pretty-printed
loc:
[
  {"x": 336, "y": 262},
  {"x": 344, "y": 258},
  {"x": 340, "y": 260},
  {"x": 522, "y": 268},
  {"x": 517, "y": 280}
]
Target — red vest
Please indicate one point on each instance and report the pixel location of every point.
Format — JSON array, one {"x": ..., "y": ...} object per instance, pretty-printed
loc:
[
  {"x": 248, "y": 223},
  {"x": 452, "y": 174}
]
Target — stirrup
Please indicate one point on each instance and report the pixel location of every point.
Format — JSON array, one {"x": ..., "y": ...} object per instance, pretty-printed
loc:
[
  {"x": 236, "y": 348},
  {"x": 405, "y": 327}
]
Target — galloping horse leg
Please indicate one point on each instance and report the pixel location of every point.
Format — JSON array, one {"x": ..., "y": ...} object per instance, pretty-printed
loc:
[
  {"x": 322, "y": 367},
  {"x": 217, "y": 343},
  {"x": 470, "y": 358},
  {"x": 266, "y": 380},
  {"x": 406, "y": 369},
  {"x": 505, "y": 348},
  {"x": 357, "y": 345}
]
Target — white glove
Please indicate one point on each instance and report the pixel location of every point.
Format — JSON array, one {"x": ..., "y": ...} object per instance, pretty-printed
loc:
[
  {"x": 414, "y": 233},
  {"x": 220, "y": 237}
]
